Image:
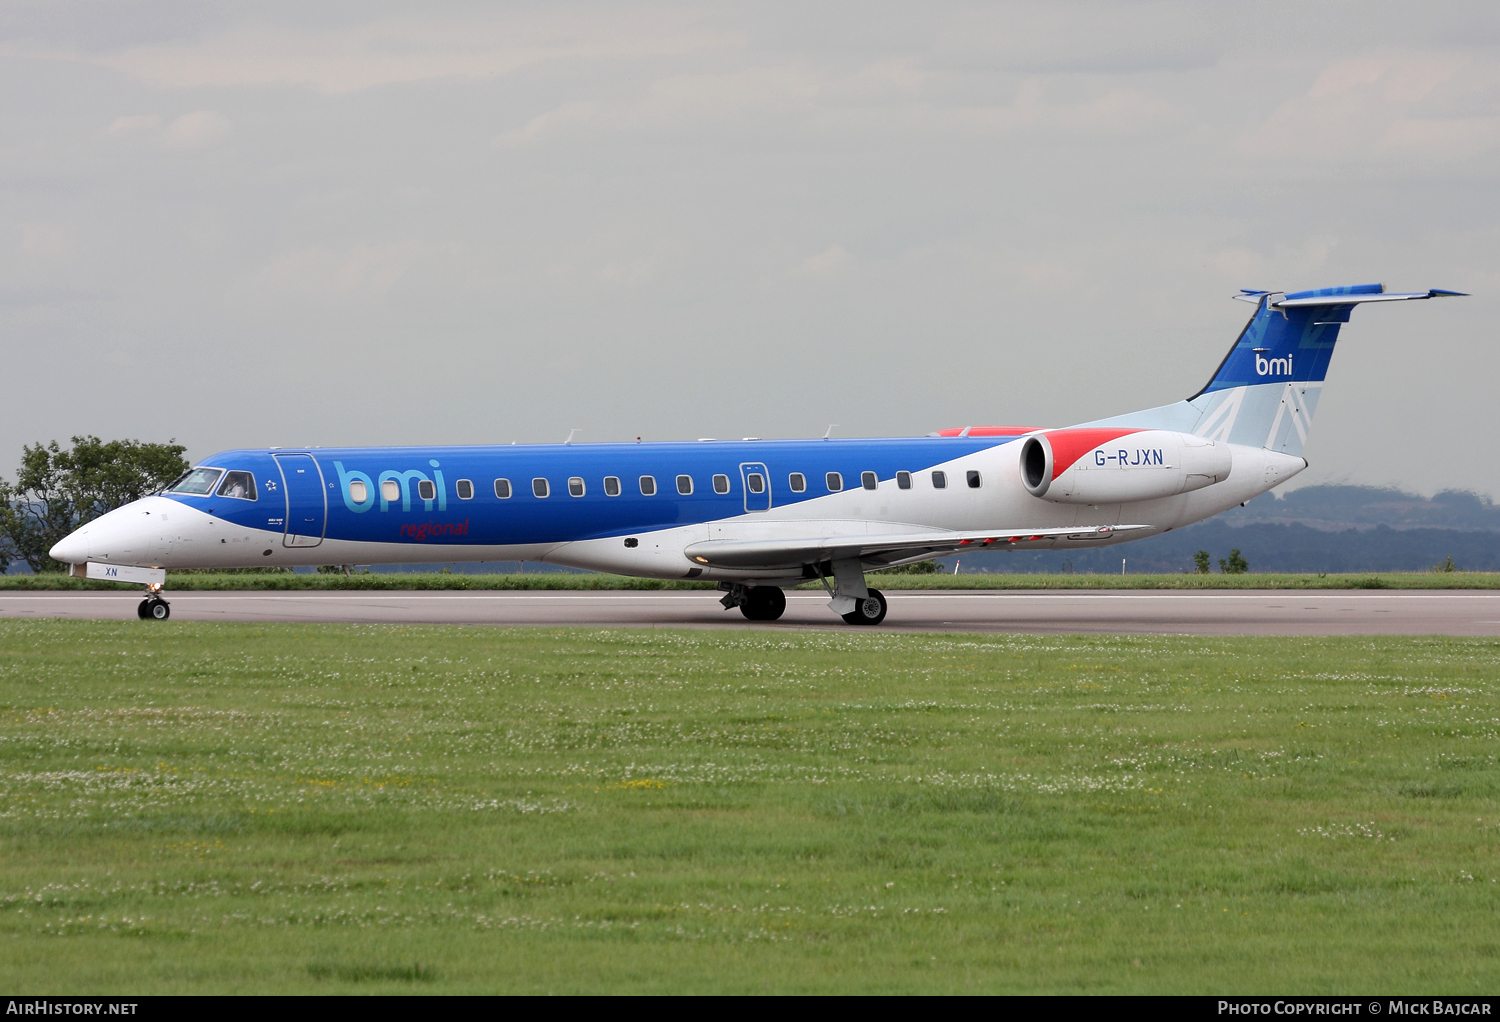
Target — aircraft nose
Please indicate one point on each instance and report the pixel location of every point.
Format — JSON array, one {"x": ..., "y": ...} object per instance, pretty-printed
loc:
[
  {"x": 126, "y": 535},
  {"x": 72, "y": 548}
]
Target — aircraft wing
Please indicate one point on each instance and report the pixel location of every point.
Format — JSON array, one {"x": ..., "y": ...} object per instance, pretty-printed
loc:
[{"x": 792, "y": 554}]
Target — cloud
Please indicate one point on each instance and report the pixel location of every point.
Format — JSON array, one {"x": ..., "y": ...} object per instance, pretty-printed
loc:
[
  {"x": 196, "y": 129},
  {"x": 882, "y": 97},
  {"x": 127, "y": 125},
  {"x": 188, "y": 131},
  {"x": 356, "y": 272},
  {"x": 826, "y": 263},
  {"x": 391, "y": 51},
  {"x": 1285, "y": 263},
  {"x": 48, "y": 241},
  {"x": 1423, "y": 106},
  {"x": 1115, "y": 111}
]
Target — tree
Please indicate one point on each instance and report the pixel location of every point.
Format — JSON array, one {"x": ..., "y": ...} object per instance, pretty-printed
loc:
[
  {"x": 56, "y": 491},
  {"x": 1236, "y": 565},
  {"x": 917, "y": 568},
  {"x": 1200, "y": 562}
]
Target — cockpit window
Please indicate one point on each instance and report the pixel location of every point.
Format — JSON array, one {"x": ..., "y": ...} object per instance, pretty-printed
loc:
[
  {"x": 199, "y": 481},
  {"x": 241, "y": 486}
]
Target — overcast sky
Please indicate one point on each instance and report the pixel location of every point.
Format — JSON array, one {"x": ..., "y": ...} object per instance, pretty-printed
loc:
[{"x": 363, "y": 223}]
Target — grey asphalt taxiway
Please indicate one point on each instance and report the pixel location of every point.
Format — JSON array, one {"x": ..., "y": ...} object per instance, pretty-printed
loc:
[{"x": 1240, "y": 612}]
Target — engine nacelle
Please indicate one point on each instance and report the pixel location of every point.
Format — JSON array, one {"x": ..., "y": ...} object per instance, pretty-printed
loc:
[{"x": 1116, "y": 466}]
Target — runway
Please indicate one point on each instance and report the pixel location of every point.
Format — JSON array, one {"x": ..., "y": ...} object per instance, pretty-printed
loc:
[{"x": 1242, "y": 612}]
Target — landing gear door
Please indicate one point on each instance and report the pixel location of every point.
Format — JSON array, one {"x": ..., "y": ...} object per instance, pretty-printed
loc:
[
  {"x": 757, "y": 482},
  {"x": 306, "y": 499}
]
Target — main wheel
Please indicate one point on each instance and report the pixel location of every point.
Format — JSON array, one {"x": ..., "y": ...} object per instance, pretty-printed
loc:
[
  {"x": 144, "y": 610},
  {"x": 764, "y": 603},
  {"x": 159, "y": 610},
  {"x": 868, "y": 611}
]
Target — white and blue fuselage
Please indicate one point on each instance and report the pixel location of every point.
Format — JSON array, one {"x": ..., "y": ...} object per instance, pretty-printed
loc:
[
  {"x": 758, "y": 514},
  {"x": 633, "y": 509}
]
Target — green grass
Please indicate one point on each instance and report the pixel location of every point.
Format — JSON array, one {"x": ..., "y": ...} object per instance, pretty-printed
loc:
[
  {"x": 300, "y": 808},
  {"x": 183, "y": 582}
]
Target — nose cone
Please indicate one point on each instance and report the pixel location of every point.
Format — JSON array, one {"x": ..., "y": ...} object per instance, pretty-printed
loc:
[
  {"x": 72, "y": 548},
  {"x": 127, "y": 535}
]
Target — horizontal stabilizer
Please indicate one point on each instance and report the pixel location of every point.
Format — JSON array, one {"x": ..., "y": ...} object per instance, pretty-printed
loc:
[
  {"x": 792, "y": 554},
  {"x": 1351, "y": 295},
  {"x": 1300, "y": 301}
]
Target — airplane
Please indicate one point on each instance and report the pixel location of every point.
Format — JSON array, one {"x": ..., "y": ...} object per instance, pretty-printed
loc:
[{"x": 757, "y": 516}]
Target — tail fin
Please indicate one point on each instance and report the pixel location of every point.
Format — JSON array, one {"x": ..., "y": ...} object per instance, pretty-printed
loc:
[{"x": 1266, "y": 390}]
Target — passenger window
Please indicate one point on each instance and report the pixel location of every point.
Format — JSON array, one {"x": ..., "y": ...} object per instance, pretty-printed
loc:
[
  {"x": 835, "y": 481},
  {"x": 903, "y": 480},
  {"x": 685, "y": 485},
  {"x": 973, "y": 479},
  {"x": 358, "y": 492},
  {"x": 611, "y": 486},
  {"x": 502, "y": 489},
  {"x": 797, "y": 481},
  {"x": 241, "y": 486},
  {"x": 540, "y": 487},
  {"x": 939, "y": 480},
  {"x": 756, "y": 482},
  {"x": 648, "y": 486},
  {"x": 575, "y": 486},
  {"x": 868, "y": 480},
  {"x": 390, "y": 491},
  {"x": 426, "y": 490},
  {"x": 721, "y": 484},
  {"x": 465, "y": 489}
]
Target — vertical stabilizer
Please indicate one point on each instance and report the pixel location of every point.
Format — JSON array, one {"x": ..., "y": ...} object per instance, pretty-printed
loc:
[{"x": 1266, "y": 390}]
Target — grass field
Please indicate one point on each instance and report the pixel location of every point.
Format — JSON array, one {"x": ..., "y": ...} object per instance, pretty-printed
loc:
[
  {"x": 293, "y": 808},
  {"x": 182, "y": 582}
]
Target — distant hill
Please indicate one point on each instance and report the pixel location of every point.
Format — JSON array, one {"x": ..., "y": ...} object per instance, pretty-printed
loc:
[
  {"x": 1337, "y": 508},
  {"x": 1317, "y": 528}
]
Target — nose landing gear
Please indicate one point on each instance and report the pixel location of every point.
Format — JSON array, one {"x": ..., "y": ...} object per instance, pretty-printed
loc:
[{"x": 153, "y": 607}]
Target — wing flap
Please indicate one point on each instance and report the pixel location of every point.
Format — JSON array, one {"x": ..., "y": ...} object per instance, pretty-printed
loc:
[{"x": 782, "y": 554}]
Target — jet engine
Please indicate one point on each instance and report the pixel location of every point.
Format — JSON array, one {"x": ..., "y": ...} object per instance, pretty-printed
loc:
[{"x": 1115, "y": 466}]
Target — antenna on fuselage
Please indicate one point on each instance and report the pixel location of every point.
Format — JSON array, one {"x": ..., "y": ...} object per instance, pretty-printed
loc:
[
  {"x": 571, "y": 434},
  {"x": 829, "y": 434}
]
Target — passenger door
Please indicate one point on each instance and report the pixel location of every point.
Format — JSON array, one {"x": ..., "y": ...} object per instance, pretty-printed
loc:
[
  {"x": 306, "y": 499},
  {"x": 757, "y": 483}
]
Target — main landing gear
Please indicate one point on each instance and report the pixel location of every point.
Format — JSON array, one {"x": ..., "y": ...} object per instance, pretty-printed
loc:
[
  {"x": 153, "y": 607},
  {"x": 867, "y": 611},
  {"x": 757, "y": 603}
]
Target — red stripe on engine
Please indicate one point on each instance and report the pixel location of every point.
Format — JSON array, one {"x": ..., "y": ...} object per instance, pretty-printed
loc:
[{"x": 1068, "y": 445}]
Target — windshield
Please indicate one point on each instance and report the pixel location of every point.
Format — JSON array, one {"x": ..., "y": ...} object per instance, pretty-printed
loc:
[{"x": 199, "y": 480}]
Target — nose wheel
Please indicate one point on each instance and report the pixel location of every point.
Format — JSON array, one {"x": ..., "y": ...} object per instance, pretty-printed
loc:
[{"x": 153, "y": 608}]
